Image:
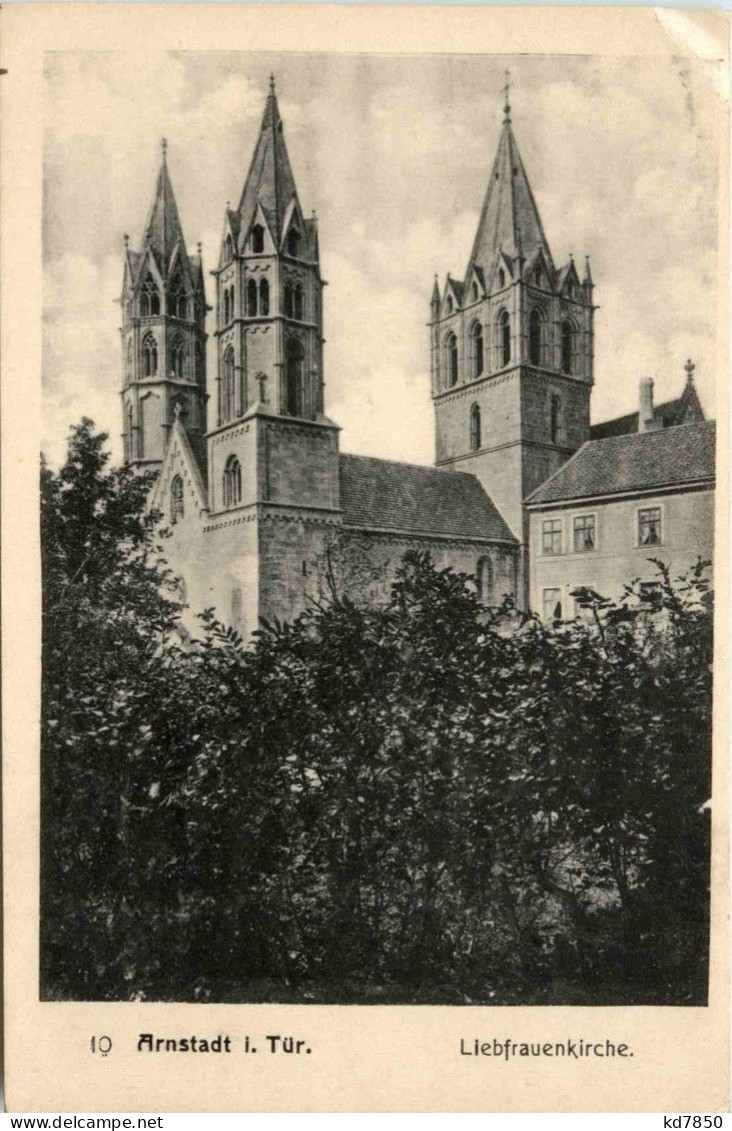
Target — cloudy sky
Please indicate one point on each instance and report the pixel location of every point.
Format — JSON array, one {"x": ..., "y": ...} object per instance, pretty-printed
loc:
[{"x": 394, "y": 154}]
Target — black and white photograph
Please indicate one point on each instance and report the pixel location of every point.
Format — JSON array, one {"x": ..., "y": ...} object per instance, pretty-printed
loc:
[{"x": 378, "y": 527}]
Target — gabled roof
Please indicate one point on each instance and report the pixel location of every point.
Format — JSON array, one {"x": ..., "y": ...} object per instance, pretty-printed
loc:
[
  {"x": 179, "y": 446},
  {"x": 509, "y": 219},
  {"x": 685, "y": 409},
  {"x": 270, "y": 181},
  {"x": 641, "y": 462},
  {"x": 379, "y": 494}
]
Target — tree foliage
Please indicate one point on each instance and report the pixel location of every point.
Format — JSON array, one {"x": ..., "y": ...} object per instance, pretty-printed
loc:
[{"x": 415, "y": 800}]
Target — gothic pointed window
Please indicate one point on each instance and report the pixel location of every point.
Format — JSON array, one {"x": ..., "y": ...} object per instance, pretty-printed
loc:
[
  {"x": 289, "y": 303},
  {"x": 294, "y": 379},
  {"x": 232, "y": 482},
  {"x": 567, "y": 346},
  {"x": 535, "y": 336},
  {"x": 177, "y": 356},
  {"x": 474, "y": 292},
  {"x": 451, "y": 352},
  {"x": 176, "y": 499},
  {"x": 251, "y": 299},
  {"x": 501, "y": 277},
  {"x": 476, "y": 343},
  {"x": 232, "y": 309},
  {"x": 263, "y": 297},
  {"x": 227, "y": 385},
  {"x": 449, "y": 304},
  {"x": 226, "y": 307},
  {"x": 257, "y": 239},
  {"x": 484, "y": 577},
  {"x": 474, "y": 428},
  {"x": 555, "y": 419},
  {"x": 293, "y": 242},
  {"x": 298, "y": 303},
  {"x": 504, "y": 337},
  {"x": 228, "y": 249},
  {"x": 149, "y": 356},
  {"x": 177, "y": 298},
  {"x": 149, "y": 298},
  {"x": 537, "y": 276}
]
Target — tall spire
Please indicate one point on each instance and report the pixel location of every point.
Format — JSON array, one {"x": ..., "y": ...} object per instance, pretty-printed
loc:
[
  {"x": 270, "y": 182},
  {"x": 163, "y": 230},
  {"x": 509, "y": 220}
]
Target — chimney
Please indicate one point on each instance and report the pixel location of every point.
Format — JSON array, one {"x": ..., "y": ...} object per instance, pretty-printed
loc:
[{"x": 646, "y": 420}]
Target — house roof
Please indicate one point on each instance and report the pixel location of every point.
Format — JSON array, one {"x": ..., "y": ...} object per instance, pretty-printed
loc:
[
  {"x": 380, "y": 494},
  {"x": 635, "y": 462},
  {"x": 685, "y": 409},
  {"x": 509, "y": 220}
]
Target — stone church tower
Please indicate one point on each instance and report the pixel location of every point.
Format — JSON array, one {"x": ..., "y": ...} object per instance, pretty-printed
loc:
[
  {"x": 163, "y": 336},
  {"x": 511, "y": 349}
]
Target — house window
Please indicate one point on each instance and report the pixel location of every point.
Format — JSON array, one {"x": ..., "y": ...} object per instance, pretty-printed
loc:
[
  {"x": 474, "y": 428},
  {"x": 551, "y": 604},
  {"x": 551, "y": 536},
  {"x": 535, "y": 350},
  {"x": 251, "y": 299},
  {"x": 484, "y": 577},
  {"x": 504, "y": 336},
  {"x": 293, "y": 242},
  {"x": 298, "y": 303},
  {"x": 149, "y": 298},
  {"x": 555, "y": 419},
  {"x": 257, "y": 239},
  {"x": 649, "y": 526},
  {"x": 476, "y": 337},
  {"x": 232, "y": 482},
  {"x": 294, "y": 379},
  {"x": 567, "y": 346},
  {"x": 451, "y": 346},
  {"x": 149, "y": 356},
  {"x": 583, "y": 538},
  {"x": 177, "y": 357},
  {"x": 263, "y": 297},
  {"x": 227, "y": 385},
  {"x": 176, "y": 499}
]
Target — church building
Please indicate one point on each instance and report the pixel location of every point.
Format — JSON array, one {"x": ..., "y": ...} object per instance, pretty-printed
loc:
[{"x": 265, "y": 511}]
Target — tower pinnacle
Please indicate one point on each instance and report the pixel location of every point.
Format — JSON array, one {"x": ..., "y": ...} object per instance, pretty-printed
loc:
[
  {"x": 690, "y": 367},
  {"x": 507, "y": 105}
]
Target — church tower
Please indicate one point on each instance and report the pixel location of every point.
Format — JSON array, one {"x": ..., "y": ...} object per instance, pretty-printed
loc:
[
  {"x": 511, "y": 349},
  {"x": 163, "y": 335}
]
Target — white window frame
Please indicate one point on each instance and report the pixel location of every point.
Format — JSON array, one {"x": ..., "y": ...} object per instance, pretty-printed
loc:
[
  {"x": 636, "y": 518},
  {"x": 554, "y": 589},
  {"x": 562, "y": 547},
  {"x": 585, "y": 514}
]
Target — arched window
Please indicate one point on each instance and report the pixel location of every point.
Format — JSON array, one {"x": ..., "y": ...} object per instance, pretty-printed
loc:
[
  {"x": 263, "y": 297},
  {"x": 294, "y": 379},
  {"x": 177, "y": 300},
  {"x": 252, "y": 299},
  {"x": 570, "y": 288},
  {"x": 474, "y": 428},
  {"x": 535, "y": 335},
  {"x": 476, "y": 341},
  {"x": 537, "y": 276},
  {"x": 501, "y": 277},
  {"x": 293, "y": 242},
  {"x": 484, "y": 578},
  {"x": 226, "y": 307},
  {"x": 451, "y": 351},
  {"x": 149, "y": 298},
  {"x": 149, "y": 356},
  {"x": 298, "y": 303},
  {"x": 232, "y": 482},
  {"x": 289, "y": 302},
  {"x": 229, "y": 249},
  {"x": 474, "y": 292},
  {"x": 129, "y": 358},
  {"x": 257, "y": 239},
  {"x": 449, "y": 304},
  {"x": 176, "y": 499},
  {"x": 177, "y": 356},
  {"x": 227, "y": 385},
  {"x": 567, "y": 346},
  {"x": 555, "y": 419},
  {"x": 504, "y": 337},
  {"x": 231, "y": 302}
]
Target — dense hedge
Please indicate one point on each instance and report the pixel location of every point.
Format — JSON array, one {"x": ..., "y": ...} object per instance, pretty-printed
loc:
[{"x": 419, "y": 802}]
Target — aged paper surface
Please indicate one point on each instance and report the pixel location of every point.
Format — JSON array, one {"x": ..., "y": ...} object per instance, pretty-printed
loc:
[{"x": 363, "y": 1057}]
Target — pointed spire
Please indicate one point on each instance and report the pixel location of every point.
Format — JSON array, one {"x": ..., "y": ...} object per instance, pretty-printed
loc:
[
  {"x": 509, "y": 219},
  {"x": 587, "y": 279},
  {"x": 163, "y": 230},
  {"x": 270, "y": 182},
  {"x": 506, "y": 103},
  {"x": 689, "y": 367},
  {"x": 435, "y": 300}
]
